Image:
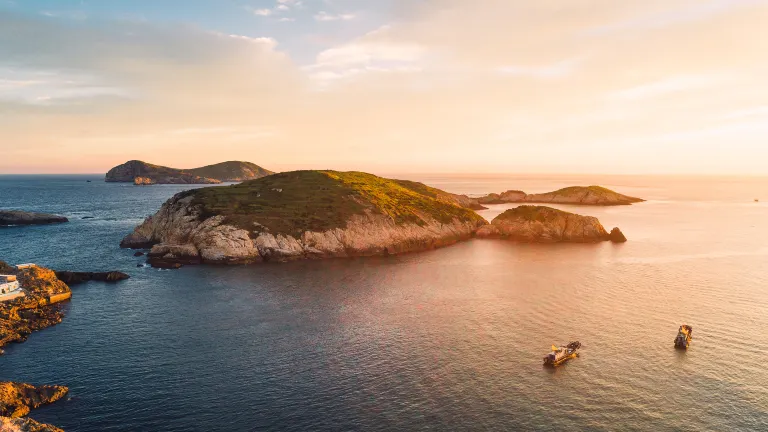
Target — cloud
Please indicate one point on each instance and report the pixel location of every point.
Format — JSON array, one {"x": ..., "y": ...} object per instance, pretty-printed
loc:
[{"x": 325, "y": 16}]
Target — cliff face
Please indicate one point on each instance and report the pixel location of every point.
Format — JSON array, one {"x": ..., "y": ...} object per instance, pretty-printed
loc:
[
  {"x": 303, "y": 214},
  {"x": 142, "y": 173},
  {"x": 544, "y": 225},
  {"x": 17, "y": 217},
  {"x": 578, "y": 195}
]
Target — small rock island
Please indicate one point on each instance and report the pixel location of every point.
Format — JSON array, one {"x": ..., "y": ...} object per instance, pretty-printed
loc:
[
  {"x": 541, "y": 224},
  {"x": 300, "y": 215},
  {"x": 18, "y": 217},
  {"x": 578, "y": 195},
  {"x": 142, "y": 173}
]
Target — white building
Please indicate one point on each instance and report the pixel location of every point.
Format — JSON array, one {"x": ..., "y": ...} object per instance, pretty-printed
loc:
[{"x": 9, "y": 288}]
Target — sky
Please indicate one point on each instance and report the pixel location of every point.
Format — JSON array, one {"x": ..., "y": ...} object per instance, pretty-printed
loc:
[{"x": 499, "y": 86}]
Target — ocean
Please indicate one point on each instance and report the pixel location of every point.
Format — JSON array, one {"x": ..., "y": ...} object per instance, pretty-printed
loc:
[{"x": 450, "y": 339}]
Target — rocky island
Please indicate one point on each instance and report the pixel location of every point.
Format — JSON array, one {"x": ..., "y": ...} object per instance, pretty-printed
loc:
[
  {"x": 302, "y": 214},
  {"x": 546, "y": 225},
  {"x": 578, "y": 195},
  {"x": 143, "y": 173},
  {"x": 18, "y": 217},
  {"x": 16, "y": 401}
]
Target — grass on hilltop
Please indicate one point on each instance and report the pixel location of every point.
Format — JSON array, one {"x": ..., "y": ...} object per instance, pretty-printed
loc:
[{"x": 298, "y": 201}]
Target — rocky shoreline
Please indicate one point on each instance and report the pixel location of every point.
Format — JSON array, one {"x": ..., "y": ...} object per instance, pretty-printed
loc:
[
  {"x": 18, "y": 399},
  {"x": 19, "y": 318}
]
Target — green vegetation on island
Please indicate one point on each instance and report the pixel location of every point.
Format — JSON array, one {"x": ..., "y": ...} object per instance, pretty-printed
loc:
[
  {"x": 143, "y": 173},
  {"x": 294, "y": 202}
]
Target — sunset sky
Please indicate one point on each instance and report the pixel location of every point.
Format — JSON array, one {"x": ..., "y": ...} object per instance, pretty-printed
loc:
[{"x": 573, "y": 86}]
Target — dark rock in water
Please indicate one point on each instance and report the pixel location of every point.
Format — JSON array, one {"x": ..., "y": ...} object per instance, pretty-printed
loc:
[
  {"x": 88, "y": 217},
  {"x": 165, "y": 265},
  {"x": 17, "y": 217},
  {"x": 138, "y": 254},
  {"x": 141, "y": 265},
  {"x": 617, "y": 236},
  {"x": 71, "y": 278}
]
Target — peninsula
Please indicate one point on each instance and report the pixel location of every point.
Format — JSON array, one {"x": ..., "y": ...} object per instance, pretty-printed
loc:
[
  {"x": 143, "y": 173},
  {"x": 18, "y": 217},
  {"x": 546, "y": 225},
  {"x": 302, "y": 214},
  {"x": 578, "y": 195}
]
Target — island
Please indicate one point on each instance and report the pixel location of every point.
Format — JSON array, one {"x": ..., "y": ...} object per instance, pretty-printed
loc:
[
  {"x": 578, "y": 195},
  {"x": 541, "y": 224},
  {"x": 301, "y": 215},
  {"x": 18, "y": 217},
  {"x": 143, "y": 173}
]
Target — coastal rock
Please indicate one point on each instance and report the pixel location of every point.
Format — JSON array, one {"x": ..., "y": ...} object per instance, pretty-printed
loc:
[
  {"x": 299, "y": 215},
  {"x": 143, "y": 181},
  {"x": 35, "y": 311},
  {"x": 138, "y": 254},
  {"x": 18, "y": 217},
  {"x": 17, "y": 399},
  {"x": 8, "y": 424},
  {"x": 143, "y": 173},
  {"x": 577, "y": 195},
  {"x": 72, "y": 278},
  {"x": 544, "y": 225},
  {"x": 617, "y": 236}
]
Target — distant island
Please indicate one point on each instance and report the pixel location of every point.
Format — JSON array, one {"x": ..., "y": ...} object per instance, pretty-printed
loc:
[
  {"x": 303, "y": 214},
  {"x": 143, "y": 173},
  {"x": 18, "y": 217},
  {"x": 547, "y": 225},
  {"x": 579, "y": 195}
]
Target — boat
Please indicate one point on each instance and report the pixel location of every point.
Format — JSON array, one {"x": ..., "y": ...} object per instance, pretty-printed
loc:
[
  {"x": 684, "y": 335},
  {"x": 560, "y": 355}
]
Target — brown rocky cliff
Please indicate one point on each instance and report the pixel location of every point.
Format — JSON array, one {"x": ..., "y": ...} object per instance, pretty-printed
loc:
[{"x": 8, "y": 424}]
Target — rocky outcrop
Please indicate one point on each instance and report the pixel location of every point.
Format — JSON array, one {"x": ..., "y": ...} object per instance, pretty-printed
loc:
[
  {"x": 362, "y": 215},
  {"x": 35, "y": 311},
  {"x": 16, "y": 401},
  {"x": 577, "y": 195},
  {"x": 544, "y": 225},
  {"x": 18, "y": 217},
  {"x": 72, "y": 278},
  {"x": 142, "y": 173},
  {"x": 143, "y": 181},
  {"x": 617, "y": 236},
  {"x": 8, "y": 424}
]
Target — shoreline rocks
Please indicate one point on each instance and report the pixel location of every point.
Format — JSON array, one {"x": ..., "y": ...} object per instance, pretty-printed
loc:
[
  {"x": 18, "y": 217},
  {"x": 539, "y": 224},
  {"x": 73, "y": 278},
  {"x": 18, "y": 399},
  {"x": 37, "y": 310}
]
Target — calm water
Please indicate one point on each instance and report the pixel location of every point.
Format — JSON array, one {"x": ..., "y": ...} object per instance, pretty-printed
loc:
[{"x": 445, "y": 340}]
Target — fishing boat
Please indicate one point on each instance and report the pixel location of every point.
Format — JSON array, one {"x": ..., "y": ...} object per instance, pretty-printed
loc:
[
  {"x": 560, "y": 355},
  {"x": 684, "y": 336}
]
